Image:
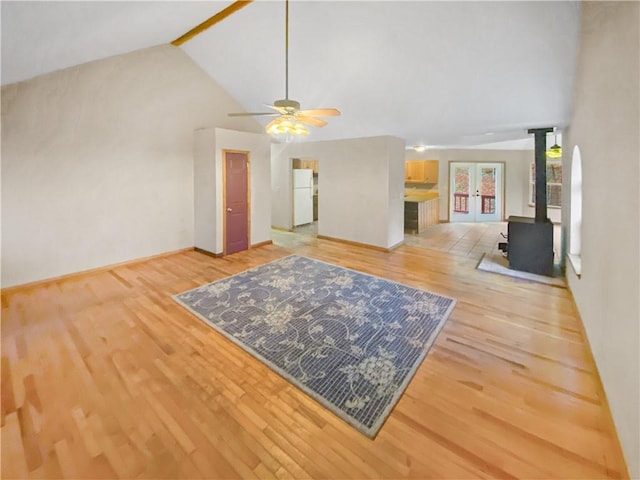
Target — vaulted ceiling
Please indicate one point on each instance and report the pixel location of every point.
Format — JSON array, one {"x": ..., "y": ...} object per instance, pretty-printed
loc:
[{"x": 444, "y": 73}]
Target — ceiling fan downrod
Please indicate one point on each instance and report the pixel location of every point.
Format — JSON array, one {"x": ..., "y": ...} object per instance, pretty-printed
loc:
[
  {"x": 286, "y": 50},
  {"x": 290, "y": 119}
]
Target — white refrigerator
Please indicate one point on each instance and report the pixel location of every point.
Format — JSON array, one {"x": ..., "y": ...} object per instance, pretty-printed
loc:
[{"x": 302, "y": 196}]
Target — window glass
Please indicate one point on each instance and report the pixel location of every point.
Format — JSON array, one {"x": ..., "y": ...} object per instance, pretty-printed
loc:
[{"x": 554, "y": 183}]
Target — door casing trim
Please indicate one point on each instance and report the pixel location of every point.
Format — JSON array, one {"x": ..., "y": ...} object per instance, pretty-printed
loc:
[
  {"x": 224, "y": 197},
  {"x": 503, "y": 186}
]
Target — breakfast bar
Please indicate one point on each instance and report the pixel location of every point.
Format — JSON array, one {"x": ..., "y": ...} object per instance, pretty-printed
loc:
[{"x": 420, "y": 211}]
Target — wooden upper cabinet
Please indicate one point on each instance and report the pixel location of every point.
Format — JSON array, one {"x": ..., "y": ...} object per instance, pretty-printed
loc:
[
  {"x": 306, "y": 164},
  {"x": 414, "y": 171},
  {"x": 431, "y": 171},
  {"x": 421, "y": 171}
]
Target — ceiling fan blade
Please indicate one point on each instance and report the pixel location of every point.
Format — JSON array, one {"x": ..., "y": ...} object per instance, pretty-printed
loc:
[
  {"x": 320, "y": 112},
  {"x": 280, "y": 110},
  {"x": 316, "y": 122},
  {"x": 248, "y": 114}
]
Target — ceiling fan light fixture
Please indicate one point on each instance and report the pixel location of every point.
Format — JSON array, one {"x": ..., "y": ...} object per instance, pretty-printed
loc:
[
  {"x": 286, "y": 128},
  {"x": 300, "y": 129}
]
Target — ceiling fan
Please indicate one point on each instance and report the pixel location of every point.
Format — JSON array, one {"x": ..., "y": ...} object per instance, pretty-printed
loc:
[{"x": 290, "y": 119}]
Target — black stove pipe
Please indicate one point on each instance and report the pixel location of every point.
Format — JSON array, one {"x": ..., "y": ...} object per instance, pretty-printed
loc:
[{"x": 540, "y": 137}]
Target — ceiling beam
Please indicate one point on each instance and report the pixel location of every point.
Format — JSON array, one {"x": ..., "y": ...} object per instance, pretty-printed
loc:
[{"x": 218, "y": 17}]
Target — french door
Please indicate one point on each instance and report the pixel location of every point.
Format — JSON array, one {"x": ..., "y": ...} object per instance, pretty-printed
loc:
[{"x": 475, "y": 192}]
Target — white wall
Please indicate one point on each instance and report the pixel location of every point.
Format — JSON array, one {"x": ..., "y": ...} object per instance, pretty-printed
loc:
[
  {"x": 605, "y": 126},
  {"x": 205, "y": 191},
  {"x": 356, "y": 181},
  {"x": 395, "y": 220},
  {"x": 97, "y": 161}
]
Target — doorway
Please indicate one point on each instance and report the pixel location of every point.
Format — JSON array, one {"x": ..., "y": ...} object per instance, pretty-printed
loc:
[
  {"x": 236, "y": 201},
  {"x": 476, "y": 192},
  {"x": 305, "y": 195}
]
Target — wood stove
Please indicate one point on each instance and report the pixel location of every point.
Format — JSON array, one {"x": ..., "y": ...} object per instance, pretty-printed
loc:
[
  {"x": 530, "y": 245},
  {"x": 530, "y": 240}
]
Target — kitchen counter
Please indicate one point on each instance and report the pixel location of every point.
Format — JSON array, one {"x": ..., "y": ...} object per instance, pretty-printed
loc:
[
  {"x": 417, "y": 197},
  {"x": 421, "y": 209}
]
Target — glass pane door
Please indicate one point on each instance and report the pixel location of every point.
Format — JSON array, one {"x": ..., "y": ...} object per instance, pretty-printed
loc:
[
  {"x": 461, "y": 202},
  {"x": 475, "y": 192},
  {"x": 489, "y": 205}
]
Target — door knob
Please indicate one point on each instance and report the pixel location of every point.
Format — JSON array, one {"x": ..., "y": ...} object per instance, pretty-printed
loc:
[{"x": 229, "y": 209}]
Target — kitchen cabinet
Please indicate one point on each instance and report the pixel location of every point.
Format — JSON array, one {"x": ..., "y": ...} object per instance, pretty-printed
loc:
[
  {"x": 307, "y": 164},
  {"x": 421, "y": 171},
  {"x": 420, "y": 212}
]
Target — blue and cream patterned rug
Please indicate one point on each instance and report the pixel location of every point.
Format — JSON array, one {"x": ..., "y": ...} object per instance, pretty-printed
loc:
[{"x": 350, "y": 340}]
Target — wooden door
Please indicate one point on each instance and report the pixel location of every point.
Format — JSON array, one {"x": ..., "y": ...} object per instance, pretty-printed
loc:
[{"x": 236, "y": 202}]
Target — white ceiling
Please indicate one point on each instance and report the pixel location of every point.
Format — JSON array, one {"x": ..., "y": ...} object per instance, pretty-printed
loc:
[{"x": 446, "y": 73}]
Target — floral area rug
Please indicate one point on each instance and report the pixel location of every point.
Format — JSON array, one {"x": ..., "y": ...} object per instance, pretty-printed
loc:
[{"x": 350, "y": 340}]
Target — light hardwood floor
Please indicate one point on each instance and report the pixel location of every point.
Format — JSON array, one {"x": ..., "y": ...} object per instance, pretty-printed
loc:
[
  {"x": 104, "y": 376},
  {"x": 470, "y": 239}
]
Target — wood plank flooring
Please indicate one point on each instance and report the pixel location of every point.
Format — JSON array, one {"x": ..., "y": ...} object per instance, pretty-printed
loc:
[{"x": 104, "y": 376}]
